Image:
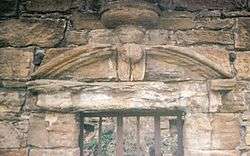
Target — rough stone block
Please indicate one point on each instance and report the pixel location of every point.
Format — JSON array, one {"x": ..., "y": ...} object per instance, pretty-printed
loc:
[
  {"x": 242, "y": 36},
  {"x": 233, "y": 102},
  {"x": 226, "y": 131},
  {"x": 85, "y": 22},
  {"x": 16, "y": 63},
  {"x": 53, "y": 130},
  {"x": 10, "y": 103},
  {"x": 215, "y": 23},
  {"x": 191, "y": 37},
  {"x": 14, "y": 152},
  {"x": 52, "y": 53},
  {"x": 54, "y": 152},
  {"x": 197, "y": 132},
  {"x": 76, "y": 37},
  {"x": 48, "y": 5},
  {"x": 193, "y": 5},
  {"x": 176, "y": 23},
  {"x": 13, "y": 134},
  {"x": 103, "y": 36},
  {"x": 25, "y": 32},
  {"x": 212, "y": 153},
  {"x": 242, "y": 64},
  {"x": 158, "y": 36},
  {"x": 8, "y": 8}
]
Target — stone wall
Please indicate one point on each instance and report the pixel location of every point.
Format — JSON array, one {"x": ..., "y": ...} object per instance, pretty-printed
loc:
[{"x": 194, "y": 57}]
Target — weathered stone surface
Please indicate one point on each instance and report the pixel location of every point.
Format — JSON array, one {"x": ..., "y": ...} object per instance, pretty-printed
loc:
[
  {"x": 234, "y": 101},
  {"x": 119, "y": 96},
  {"x": 48, "y": 5},
  {"x": 242, "y": 36},
  {"x": 226, "y": 131},
  {"x": 55, "y": 152},
  {"x": 158, "y": 36},
  {"x": 8, "y": 8},
  {"x": 242, "y": 64},
  {"x": 197, "y": 132},
  {"x": 13, "y": 134},
  {"x": 25, "y": 32},
  {"x": 76, "y": 37},
  {"x": 205, "y": 4},
  {"x": 53, "y": 130},
  {"x": 85, "y": 22},
  {"x": 130, "y": 34},
  {"x": 223, "y": 84},
  {"x": 212, "y": 153},
  {"x": 215, "y": 23},
  {"x": 211, "y": 132},
  {"x": 14, "y": 152},
  {"x": 103, "y": 36},
  {"x": 246, "y": 124},
  {"x": 176, "y": 23},
  {"x": 53, "y": 52},
  {"x": 137, "y": 13},
  {"x": 10, "y": 103},
  {"x": 16, "y": 63},
  {"x": 191, "y": 37}
]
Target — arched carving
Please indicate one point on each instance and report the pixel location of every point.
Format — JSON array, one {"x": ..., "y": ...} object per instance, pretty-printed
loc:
[{"x": 133, "y": 62}]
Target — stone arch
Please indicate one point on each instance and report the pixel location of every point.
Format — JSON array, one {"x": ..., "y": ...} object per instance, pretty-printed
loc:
[{"x": 106, "y": 63}]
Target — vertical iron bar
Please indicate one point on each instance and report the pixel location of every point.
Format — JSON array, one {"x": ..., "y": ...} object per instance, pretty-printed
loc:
[
  {"x": 100, "y": 138},
  {"x": 179, "y": 125},
  {"x": 119, "y": 137},
  {"x": 81, "y": 134},
  {"x": 138, "y": 139},
  {"x": 157, "y": 131}
]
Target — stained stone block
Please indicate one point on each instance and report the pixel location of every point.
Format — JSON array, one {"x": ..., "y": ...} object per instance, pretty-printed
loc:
[
  {"x": 14, "y": 152},
  {"x": 48, "y": 5},
  {"x": 53, "y": 130},
  {"x": 16, "y": 63},
  {"x": 204, "y": 37},
  {"x": 8, "y": 8},
  {"x": 54, "y": 152},
  {"x": 52, "y": 53},
  {"x": 10, "y": 103},
  {"x": 25, "y": 32},
  {"x": 242, "y": 64},
  {"x": 242, "y": 36},
  {"x": 13, "y": 134}
]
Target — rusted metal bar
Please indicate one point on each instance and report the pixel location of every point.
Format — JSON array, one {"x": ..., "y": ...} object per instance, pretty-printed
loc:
[
  {"x": 81, "y": 135},
  {"x": 138, "y": 138},
  {"x": 157, "y": 135},
  {"x": 179, "y": 125},
  {"x": 99, "y": 151},
  {"x": 119, "y": 136}
]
